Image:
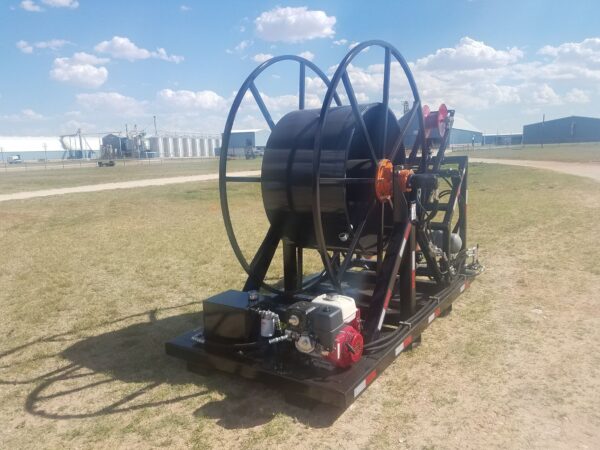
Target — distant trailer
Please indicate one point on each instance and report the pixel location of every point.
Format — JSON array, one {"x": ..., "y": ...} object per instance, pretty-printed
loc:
[{"x": 503, "y": 139}]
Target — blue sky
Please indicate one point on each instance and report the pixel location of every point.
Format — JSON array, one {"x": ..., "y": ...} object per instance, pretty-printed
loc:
[{"x": 101, "y": 64}]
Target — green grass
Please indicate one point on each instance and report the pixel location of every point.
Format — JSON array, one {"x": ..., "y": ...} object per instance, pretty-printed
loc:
[
  {"x": 17, "y": 179},
  {"x": 555, "y": 152},
  {"x": 91, "y": 286}
]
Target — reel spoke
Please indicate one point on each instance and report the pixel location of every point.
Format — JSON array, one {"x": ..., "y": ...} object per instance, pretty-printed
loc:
[
  {"x": 401, "y": 136},
  {"x": 357, "y": 115},
  {"x": 262, "y": 106},
  {"x": 385, "y": 101},
  {"x": 243, "y": 179},
  {"x": 302, "y": 86},
  {"x": 339, "y": 181},
  {"x": 354, "y": 242}
]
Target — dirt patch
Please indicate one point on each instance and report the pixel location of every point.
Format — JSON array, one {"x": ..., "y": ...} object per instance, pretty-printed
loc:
[
  {"x": 119, "y": 185},
  {"x": 589, "y": 170}
]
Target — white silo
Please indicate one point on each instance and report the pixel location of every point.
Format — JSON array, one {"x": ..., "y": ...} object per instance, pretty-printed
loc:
[
  {"x": 176, "y": 147},
  {"x": 166, "y": 146},
  {"x": 155, "y": 145},
  {"x": 195, "y": 147},
  {"x": 211, "y": 147},
  {"x": 202, "y": 147},
  {"x": 185, "y": 147}
]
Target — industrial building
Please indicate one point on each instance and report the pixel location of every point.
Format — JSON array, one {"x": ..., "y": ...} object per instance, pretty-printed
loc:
[
  {"x": 81, "y": 146},
  {"x": 503, "y": 139},
  {"x": 464, "y": 133},
  {"x": 564, "y": 130},
  {"x": 242, "y": 141},
  {"x": 33, "y": 148},
  {"x": 183, "y": 146}
]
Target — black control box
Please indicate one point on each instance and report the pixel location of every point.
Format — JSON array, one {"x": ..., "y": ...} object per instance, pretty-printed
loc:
[{"x": 227, "y": 317}]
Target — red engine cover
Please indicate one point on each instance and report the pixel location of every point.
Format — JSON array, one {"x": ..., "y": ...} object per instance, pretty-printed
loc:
[{"x": 348, "y": 347}]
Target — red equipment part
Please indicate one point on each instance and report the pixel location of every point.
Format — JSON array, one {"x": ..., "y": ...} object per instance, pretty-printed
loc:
[
  {"x": 348, "y": 347},
  {"x": 435, "y": 119}
]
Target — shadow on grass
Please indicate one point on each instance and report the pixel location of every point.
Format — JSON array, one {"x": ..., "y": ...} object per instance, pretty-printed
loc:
[{"x": 126, "y": 369}]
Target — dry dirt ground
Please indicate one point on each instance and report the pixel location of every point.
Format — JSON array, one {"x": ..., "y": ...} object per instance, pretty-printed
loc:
[
  {"x": 118, "y": 185},
  {"x": 91, "y": 286},
  {"x": 589, "y": 170}
]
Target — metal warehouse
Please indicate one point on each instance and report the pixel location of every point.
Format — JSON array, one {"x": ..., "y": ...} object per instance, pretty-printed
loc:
[
  {"x": 564, "y": 130},
  {"x": 243, "y": 140},
  {"x": 463, "y": 132},
  {"x": 503, "y": 139}
]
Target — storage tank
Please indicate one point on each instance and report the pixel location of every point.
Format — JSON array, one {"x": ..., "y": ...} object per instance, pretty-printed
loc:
[
  {"x": 176, "y": 147},
  {"x": 166, "y": 147},
  {"x": 155, "y": 145},
  {"x": 187, "y": 147}
]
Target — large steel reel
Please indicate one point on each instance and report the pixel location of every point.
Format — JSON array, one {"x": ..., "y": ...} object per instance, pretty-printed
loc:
[
  {"x": 320, "y": 167},
  {"x": 274, "y": 235},
  {"x": 385, "y": 143}
]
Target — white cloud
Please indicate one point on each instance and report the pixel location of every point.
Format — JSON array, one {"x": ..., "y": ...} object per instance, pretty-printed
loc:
[
  {"x": 112, "y": 102},
  {"x": 190, "y": 100},
  {"x": 61, "y": 3},
  {"x": 52, "y": 44},
  {"x": 469, "y": 54},
  {"x": 341, "y": 42},
  {"x": 25, "y": 115},
  {"x": 185, "y": 8},
  {"x": 80, "y": 70},
  {"x": 25, "y": 47},
  {"x": 86, "y": 58},
  {"x": 307, "y": 55},
  {"x": 587, "y": 51},
  {"x": 161, "y": 53},
  {"x": 262, "y": 57},
  {"x": 294, "y": 24},
  {"x": 31, "y": 114},
  {"x": 577, "y": 96},
  {"x": 123, "y": 48},
  {"x": 545, "y": 95},
  {"x": 243, "y": 45},
  {"x": 30, "y": 5}
]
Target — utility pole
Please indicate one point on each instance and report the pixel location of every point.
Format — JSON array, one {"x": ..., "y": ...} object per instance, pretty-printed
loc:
[
  {"x": 45, "y": 156},
  {"x": 80, "y": 142},
  {"x": 542, "y": 133}
]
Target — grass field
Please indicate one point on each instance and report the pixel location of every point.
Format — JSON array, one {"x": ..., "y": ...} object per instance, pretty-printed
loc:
[
  {"x": 92, "y": 285},
  {"x": 16, "y": 179},
  {"x": 564, "y": 153}
]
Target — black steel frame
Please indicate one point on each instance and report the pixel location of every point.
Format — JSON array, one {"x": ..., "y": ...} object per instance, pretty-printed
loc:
[{"x": 339, "y": 387}]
